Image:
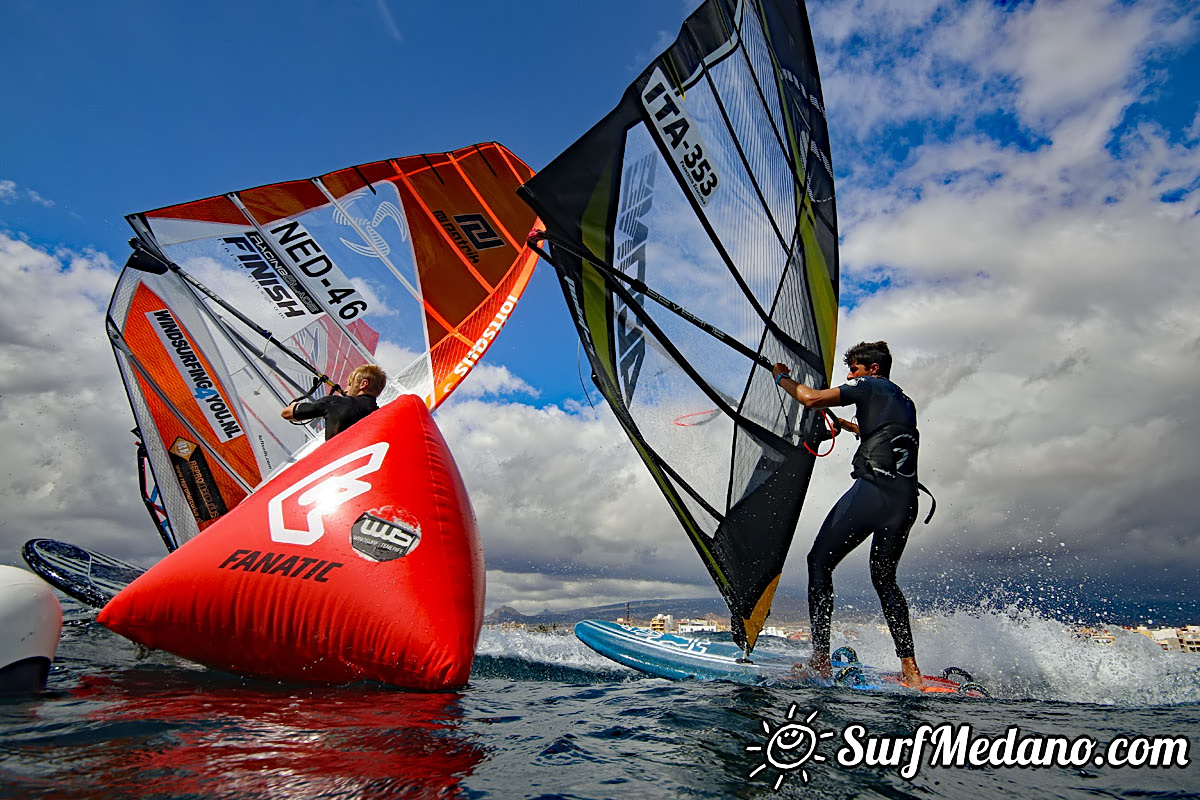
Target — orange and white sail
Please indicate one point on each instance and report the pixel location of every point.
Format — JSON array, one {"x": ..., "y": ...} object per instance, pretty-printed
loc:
[{"x": 236, "y": 305}]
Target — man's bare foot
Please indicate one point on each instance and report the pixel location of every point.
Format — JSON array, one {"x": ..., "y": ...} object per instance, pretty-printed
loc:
[
  {"x": 818, "y": 666},
  {"x": 910, "y": 674}
]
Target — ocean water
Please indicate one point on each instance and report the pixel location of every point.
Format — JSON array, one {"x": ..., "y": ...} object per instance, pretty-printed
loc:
[{"x": 544, "y": 717}]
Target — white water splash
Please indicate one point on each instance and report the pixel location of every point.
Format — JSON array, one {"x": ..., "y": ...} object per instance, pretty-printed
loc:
[{"x": 1016, "y": 653}]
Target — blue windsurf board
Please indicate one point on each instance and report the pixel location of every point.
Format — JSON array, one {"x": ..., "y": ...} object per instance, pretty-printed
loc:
[{"x": 679, "y": 657}]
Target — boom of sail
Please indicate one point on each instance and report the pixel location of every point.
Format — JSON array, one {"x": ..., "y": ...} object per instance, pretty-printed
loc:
[
  {"x": 234, "y": 306},
  {"x": 694, "y": 234}
]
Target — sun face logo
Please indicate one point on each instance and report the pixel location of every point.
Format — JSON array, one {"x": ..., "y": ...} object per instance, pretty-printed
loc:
[{"x": 790, "y": 747}]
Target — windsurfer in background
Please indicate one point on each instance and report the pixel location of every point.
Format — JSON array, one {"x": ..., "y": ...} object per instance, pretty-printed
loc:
[
  {"x": 342, "y": 411},
  {"x": 881, "y": 503}
]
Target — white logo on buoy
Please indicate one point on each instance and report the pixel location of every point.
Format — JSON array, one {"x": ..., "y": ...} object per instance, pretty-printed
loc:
[{"x": 321, "y": 492}]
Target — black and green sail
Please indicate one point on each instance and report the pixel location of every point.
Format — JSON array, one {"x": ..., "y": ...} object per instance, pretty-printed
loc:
[{"x": 694, "y": 233}]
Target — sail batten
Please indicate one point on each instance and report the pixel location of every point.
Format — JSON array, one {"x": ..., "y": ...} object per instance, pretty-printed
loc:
[{"x": 683, "y": 231}]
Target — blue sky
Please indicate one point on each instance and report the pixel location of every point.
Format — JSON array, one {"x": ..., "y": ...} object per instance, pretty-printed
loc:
[
  {"x": 1018, "y": 191},
  {"x": 130, "y": 106}
]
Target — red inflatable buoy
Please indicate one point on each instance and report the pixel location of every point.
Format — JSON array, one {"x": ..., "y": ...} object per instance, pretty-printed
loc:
[{"x": 359, "y": 562}]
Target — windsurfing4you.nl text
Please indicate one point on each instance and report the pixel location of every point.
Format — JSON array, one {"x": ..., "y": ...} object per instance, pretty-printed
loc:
[{"x": 794, "y": 745}]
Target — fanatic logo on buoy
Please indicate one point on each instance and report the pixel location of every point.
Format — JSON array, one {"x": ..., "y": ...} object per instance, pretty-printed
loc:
[{"x": 297, "y": 513}]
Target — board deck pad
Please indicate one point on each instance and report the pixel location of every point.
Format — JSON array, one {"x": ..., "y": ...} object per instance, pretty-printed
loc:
[
  {"x": 90, "y": 577},
  {"x": 679, "y": 657}
]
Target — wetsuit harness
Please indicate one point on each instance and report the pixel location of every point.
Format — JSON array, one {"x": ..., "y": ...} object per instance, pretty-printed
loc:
[{"x": 339, "y": 411}]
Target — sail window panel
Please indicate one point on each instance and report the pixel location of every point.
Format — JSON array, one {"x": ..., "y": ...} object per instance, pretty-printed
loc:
[
  {"x": 735, "y": 208},
  {"x": 752, "y": 464},
  {"x": 803, "y": 126},
  {"x": 677, "y": 421},
  {"x": 705, "y": 355},
  {"x": 238, "y": 268},
  {"x": 365, "y": 285},
  {"x": 700, "y": 516},
  {"x": 765, "y": 404},
  {"x": 756, "y": 131},
  {"x": 262, "y": 380},
  {"x": 275, "y": 438},
  {"x": 792, "y": 138},
  {"x": 658, "y": 239},
  {"x": 794, "y": 315},
  {"x": 416, "y": 377},
  {"x": 263, "y": 293}
]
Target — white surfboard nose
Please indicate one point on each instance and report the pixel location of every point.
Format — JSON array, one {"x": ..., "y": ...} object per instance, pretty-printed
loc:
[{"x": 30, "y": 624}]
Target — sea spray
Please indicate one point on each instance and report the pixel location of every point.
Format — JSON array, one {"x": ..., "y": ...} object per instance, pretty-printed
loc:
[{"x": 1014, "y": 651}]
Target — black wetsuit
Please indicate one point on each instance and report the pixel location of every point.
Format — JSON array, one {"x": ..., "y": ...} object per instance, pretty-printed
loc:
[
  {"x": 339, "y": 411},
  {"x": 882, "y": 503}
]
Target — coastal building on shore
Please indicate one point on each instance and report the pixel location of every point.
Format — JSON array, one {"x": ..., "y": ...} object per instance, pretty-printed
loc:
[
  {"x": 1173, "y": 640},
  {"x": 696, "y": 626}
]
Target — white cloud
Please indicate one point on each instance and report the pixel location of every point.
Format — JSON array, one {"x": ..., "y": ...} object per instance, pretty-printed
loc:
[
  {"x": 490, "y": 380},
  {"x": 1043, "y": 301},
  {"x": 11, "y": 193},
  {"x": 562, "y": 491},
  {"x": 69, "y": 468},
  {"x": 389, "y": 21},
  {"x": 37, "y": 198},
  {"x": 1067, "y": 55}
]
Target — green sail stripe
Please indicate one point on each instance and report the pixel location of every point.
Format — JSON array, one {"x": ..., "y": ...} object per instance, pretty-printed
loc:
[
  {"x": 820, "y": 283},
  {"x": 820, "y": 289},
  {"x": 595, "y": 225}
]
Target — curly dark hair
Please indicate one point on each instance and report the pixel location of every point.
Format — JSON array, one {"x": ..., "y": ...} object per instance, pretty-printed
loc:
[{"x": 868, "y": 353}]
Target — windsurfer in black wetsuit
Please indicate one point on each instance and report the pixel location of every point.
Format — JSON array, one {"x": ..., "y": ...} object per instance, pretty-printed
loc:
[
  {"x": 881, "y": 503},
  {"x": 342, "y": 411}
]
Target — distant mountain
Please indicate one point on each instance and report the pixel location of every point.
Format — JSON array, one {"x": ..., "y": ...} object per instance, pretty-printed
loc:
[{"x": 505, "y": 614}]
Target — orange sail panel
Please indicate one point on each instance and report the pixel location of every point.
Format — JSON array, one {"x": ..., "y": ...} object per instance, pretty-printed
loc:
[{"x": 190, "y": 405}]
